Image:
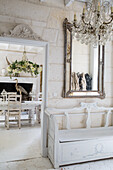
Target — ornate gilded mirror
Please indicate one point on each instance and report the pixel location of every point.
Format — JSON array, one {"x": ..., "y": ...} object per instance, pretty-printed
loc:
[{"x": 83, "y": 67}]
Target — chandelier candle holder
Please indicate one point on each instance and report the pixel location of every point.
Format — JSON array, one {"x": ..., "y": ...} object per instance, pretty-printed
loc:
[{"x": 96, "y": 23}]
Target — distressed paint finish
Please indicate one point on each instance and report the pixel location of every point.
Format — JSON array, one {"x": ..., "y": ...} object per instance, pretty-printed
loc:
[{"x": 69, "y": 146}]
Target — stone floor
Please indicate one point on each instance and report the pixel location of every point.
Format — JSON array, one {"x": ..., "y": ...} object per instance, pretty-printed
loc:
[{"x": 21, "y": 150}]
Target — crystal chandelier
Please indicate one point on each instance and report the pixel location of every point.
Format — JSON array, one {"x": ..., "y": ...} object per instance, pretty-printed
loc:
[{"x": 96, "y": 23}]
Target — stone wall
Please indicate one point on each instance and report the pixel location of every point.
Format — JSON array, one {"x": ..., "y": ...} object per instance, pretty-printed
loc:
[{"x": 46, "y": 19}]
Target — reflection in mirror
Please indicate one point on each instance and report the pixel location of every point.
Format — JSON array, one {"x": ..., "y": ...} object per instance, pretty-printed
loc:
[{"x": 83, "y": 67}]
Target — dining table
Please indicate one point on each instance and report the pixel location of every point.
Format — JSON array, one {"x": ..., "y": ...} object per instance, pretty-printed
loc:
[{"x": 26, "y": 105}]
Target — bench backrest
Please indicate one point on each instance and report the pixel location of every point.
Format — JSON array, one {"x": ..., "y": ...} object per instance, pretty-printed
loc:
[{"x": 88, "y": 107}]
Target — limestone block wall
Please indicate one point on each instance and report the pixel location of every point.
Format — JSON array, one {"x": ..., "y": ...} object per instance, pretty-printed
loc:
[{"x": 46, "y": 19}]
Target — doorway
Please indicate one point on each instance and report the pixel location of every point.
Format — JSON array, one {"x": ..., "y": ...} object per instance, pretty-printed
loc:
[{"x": 41, "y": 44}]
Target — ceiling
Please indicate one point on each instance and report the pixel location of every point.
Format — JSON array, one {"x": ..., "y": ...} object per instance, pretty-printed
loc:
[
  {"x": 20, "y": 48},
  {"x": 69, "y": 2}
]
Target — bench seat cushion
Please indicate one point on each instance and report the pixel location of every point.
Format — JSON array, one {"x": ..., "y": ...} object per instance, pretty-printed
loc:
[{"x": 85, "y": 134}]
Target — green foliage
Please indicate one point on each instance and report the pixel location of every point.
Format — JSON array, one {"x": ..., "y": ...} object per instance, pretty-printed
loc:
[{"x": 26, "y": 66}]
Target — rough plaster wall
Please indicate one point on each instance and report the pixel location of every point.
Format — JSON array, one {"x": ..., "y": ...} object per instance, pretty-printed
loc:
[{"x": 46, "y": 19}]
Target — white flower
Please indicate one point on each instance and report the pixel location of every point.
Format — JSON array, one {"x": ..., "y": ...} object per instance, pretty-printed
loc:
[
  {"x": 15, "y": 71},
  {"x": 32, "y": 68},
  {"x": 39, "y": 69},
  {"x": 8, "y": 68}
]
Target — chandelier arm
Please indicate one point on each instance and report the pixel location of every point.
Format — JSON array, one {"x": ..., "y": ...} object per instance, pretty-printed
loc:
[
  {"x": 74, "y": 24},
  {"x": 92, "y": 31},
  {"x": 86, "y": 22},
  {"x": 78, "y": 27},
  {"x": 107, "y": 23}
]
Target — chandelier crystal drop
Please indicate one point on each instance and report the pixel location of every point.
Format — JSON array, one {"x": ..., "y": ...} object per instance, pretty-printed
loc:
[{"x": 96, "y": 23}]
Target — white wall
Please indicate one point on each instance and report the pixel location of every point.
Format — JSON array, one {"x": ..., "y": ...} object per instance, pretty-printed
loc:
[{"x": 46, "y": 19}]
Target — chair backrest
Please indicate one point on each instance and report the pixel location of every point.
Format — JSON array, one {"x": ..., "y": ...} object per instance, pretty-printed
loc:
[
  {"x": 14, "y": 102},
  {"x": 11, "y": 93},
  {"x": 1, "y": 98}
]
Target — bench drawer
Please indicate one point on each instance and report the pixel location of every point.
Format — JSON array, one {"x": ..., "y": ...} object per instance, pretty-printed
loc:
[{"x": 81, "y": 151}]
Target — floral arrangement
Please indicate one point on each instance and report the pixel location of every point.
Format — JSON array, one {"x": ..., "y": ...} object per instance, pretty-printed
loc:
[{"x": 24, "y": 65}]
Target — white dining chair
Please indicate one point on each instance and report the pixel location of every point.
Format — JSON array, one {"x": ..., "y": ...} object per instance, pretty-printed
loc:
[
  {"x": 10, "y": 93},
  {"x": 14, "y": 110}
]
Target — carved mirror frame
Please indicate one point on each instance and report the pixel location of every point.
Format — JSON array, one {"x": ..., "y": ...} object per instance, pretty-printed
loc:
[
  {"x": 68, "y": 27},
  {"x": 22, "y": 34}
]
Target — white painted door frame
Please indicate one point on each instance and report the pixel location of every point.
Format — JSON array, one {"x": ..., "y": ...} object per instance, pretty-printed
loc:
[{"x": 45, "y": 82}]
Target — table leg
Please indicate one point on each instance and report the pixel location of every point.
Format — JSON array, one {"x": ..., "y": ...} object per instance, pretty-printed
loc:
[
  {"x": 31, "y": 116},
  {"x": 38, "y": 112}
]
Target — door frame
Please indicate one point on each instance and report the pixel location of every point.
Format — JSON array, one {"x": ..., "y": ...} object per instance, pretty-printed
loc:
[{"x": 44, "y": 44}]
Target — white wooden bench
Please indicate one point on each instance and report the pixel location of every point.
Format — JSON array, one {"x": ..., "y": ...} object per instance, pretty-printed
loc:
[{"x": 69, "y": 146}]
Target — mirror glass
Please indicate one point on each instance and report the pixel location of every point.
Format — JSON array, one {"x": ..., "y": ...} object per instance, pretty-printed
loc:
[{"x": 83, "y": 68}]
